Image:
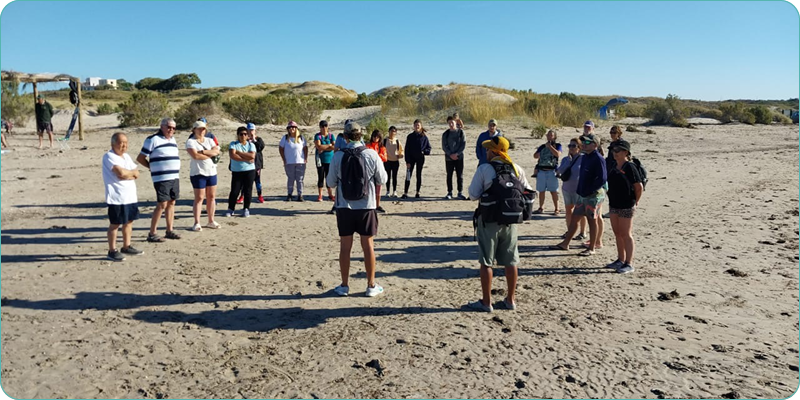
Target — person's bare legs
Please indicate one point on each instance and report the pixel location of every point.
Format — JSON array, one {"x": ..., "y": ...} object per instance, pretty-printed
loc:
[
  {"x": 618, "y": 236},
  {"x": 127, "y": 231},
  {"x": 511, "y": 280},
  {"x": 51, "y": 138},
  {"x": 555, "y": 200},
  {"x": 211, "y": 203},
  {"x": 592, "y": 232},
  {"x": 41, "y": 137},
  {"x": 486, "y": 285},
  {"x": 199, "y": 194},
  {"x": 170, "y": 215},
  {"x": 573, "y": 227},
  {"x": 600, "y": 226},
  {"x": 568, "y": 213},
  {"x": 369, "y": 259},
  {"x": 160, "y": 206},
  {"x": 541, "y": 200},
  {"x": 626, "y": 227},
  {"x": 345, "y": 245},
  {"x": 112, "y": 237}
]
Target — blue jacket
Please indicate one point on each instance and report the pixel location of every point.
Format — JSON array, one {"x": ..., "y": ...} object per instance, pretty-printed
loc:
[
  {"x": 417, "y": 146},
  {"x": 480, "y": 152},
  {"x": 593, "y": 174}
]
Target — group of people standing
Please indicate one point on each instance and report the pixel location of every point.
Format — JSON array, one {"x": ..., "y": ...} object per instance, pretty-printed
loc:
[{"x": 354, "y": 172}]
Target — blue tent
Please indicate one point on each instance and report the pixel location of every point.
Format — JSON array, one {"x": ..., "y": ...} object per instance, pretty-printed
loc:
[{"x": 603, "y": 111}]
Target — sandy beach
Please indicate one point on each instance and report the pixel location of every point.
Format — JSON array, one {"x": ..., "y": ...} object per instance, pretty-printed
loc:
[{"x": 247, "y": 311}]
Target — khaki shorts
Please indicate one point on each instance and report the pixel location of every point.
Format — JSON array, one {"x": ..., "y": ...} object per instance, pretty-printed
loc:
[{"x": 497, "y": 242}]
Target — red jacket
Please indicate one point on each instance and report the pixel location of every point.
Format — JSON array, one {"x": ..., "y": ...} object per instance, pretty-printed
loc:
[{"x": 378, "y": 149}]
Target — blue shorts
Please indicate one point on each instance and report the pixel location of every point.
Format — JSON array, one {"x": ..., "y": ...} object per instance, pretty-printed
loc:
[
  {"x": 546, "y": 181},
  {"x": 201, "y": 181},
  {"x": 121, "y": 214}
]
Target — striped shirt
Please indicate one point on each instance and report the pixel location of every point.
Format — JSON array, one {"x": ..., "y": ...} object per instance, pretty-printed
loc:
[{"x": 164, "y": 158}]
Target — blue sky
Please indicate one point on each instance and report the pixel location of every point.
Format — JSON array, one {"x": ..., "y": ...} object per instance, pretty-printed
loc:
[{"x": 697, "y": 50}]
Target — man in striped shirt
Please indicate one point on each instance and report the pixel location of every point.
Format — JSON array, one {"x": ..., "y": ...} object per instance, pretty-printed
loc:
[{"x": 160, "y": 155}]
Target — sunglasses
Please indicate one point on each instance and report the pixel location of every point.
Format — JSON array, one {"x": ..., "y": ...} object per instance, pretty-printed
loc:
[
  {"x": 171, "y": 127},
  {"x": 617, "y": 149},
  {"x": 572, "y": 146},
  {"x": 587, "y": 142},
  {"x": 242, "y": 134}
]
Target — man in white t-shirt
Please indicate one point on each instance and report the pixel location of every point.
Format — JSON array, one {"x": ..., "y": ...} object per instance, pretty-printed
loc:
[{"x": 119, "y": 173}]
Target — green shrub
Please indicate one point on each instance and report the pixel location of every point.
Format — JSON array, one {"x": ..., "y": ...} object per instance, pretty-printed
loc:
[
  {"x": 187, "y": 114},
  {"x": 16, "y": 107},
  {"x": 762, "y": 114},
  {"x": 731, "y": 111},
  {"x": 105, "y": 109},
  {"x": 538, "y": 131},
  {"x": 378, "y": 122},
  {"x": 143, "y": 108},
  {"x": 747, "y": 117},
  {"x": 782, "y": 119},
  {"x": 245, "y": 109},
  {"x": 365, "y": 100},
  {"x": 669, "y": 111}
]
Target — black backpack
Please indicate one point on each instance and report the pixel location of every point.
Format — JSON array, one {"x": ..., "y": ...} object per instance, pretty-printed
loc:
[
  {"x": 506, "y": 201},
  {"x": 642, "y": 172},
  {"x": 354, "y": 174}
]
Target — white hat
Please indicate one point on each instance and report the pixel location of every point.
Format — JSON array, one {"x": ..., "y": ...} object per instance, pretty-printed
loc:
[{"x": 199, "y": 124}]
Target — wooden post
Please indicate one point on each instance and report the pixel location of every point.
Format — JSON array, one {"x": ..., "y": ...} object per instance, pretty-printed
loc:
[
  {"x": 35, "y": 97},
  {"x": 80, "y": 111}
]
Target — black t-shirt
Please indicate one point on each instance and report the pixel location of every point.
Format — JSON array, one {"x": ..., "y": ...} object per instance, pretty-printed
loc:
[{"x": 620, "y": 186}]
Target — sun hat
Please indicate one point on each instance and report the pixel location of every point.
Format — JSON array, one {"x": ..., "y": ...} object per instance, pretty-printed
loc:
[
  {"x": 199, "y": 124},
  {"x": 589, "y": 123},
  {"x": 291, "y": 124}
]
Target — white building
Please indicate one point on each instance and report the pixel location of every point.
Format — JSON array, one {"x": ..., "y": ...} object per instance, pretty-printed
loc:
[{"x": 93, "y": 82}]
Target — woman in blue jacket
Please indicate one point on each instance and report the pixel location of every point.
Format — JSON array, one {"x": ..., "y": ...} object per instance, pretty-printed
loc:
[{"x": 417, "y": 147}]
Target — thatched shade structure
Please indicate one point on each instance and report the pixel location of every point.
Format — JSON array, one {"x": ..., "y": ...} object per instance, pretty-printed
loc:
[{"x": 46, "y": 77}]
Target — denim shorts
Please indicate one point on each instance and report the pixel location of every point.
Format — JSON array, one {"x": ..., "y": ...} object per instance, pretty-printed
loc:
[
  {"x": 201, "y": 181},
  {"x": 546, "y": 181}
]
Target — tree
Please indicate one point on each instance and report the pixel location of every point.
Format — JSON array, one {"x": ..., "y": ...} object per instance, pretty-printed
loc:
[
  {"x": 122, "y": 84},
  {"x": 143, "y": 108},
  {"x": 149, "y": 83},
  {"x": 182, "y": 81},
  {"x": 16, "y": 108}
]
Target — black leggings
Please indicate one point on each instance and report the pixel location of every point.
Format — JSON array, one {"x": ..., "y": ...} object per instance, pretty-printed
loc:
[
  {"x": 391, "y": 168},
  {"x": 411, "y": 164},
  {"x": 241, "y": 182},
  {"x": 458, "y": 167},
  {"x": 322, "y": 172}
]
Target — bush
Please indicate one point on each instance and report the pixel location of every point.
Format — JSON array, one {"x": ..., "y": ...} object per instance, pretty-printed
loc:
[
  {"x": 143, "y": 108},
  {"x": 762, "y": 114},
  {"x": 782, "y": 119},
  {"x": 539, "y": 130},
  {"x": 378, "y": 122},
  {"x": 16, "y": 107},
  {"x": 631, "y": 128},
  {"x": 747, "y": 117},
  {"x": 105, "y": 109},
  {"x": 669, "y": 111},
  {"x": 731, "y": 111},
  {"x": 245, "y": 109},
  {"x": 365, "y": 100},
  {"x": 187, "y": 114}
]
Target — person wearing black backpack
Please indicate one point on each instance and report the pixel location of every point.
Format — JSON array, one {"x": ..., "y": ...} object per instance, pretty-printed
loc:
[
  {"x": 506, "y": 199},
  {"x": 355, "y": 172},
  {"x": 624, "y": 191}
]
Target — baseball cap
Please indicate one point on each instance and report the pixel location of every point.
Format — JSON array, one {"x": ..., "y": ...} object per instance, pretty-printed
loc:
[
  {"x": 202, "y": 119},
  {"x": 292, "y": 124},
  {"x": 621, "y": 144},
  {"x": 352, "y": 127},
  {"x": 493, "y": 122},
  {"x": 250, "y": 126},
  {"x": 198, "y": 124},
  {"x": 589, "y": 123},
  {"x": 39, "y": 97},
  {"x": 323, "y": 123},
  {"x": 589, "y": 138}
]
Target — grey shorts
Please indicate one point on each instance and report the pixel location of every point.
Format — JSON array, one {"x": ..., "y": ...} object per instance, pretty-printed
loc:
[
  {"x": 41, "y": 127},
  {"x": 570, "y": 199},
  {"x": 167, "y": 190},
  {"x": 497, "y": 242}
]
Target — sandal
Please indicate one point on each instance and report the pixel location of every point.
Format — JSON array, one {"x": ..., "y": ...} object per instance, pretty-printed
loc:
[
  {"x": 539, "y": 211},
  {"x": 586, "y": 253},
  {"x": 557, "y": 212},
  {"x": 557, "y": 247},
  {"x": 154, "y": 238},
  {"x": 172, "y": 235},
  {"x": 585, "y": 245}
]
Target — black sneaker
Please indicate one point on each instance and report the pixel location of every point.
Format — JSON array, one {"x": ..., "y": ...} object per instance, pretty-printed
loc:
[
  {"x": 380, "y": 209},
  {"x": 300, "y": 199},
  {"x": 417, "y": 196},
  {"x": 461, "y": 197},
  {"x": 288, "y": 198},
  {"x": 132, "y": 251},
  {"x": 404, "y": 196},
  {"x": 332, "y": 211},
  {"x": 115, "y": 256}
]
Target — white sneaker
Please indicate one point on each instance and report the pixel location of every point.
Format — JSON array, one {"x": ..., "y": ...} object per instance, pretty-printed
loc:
[
  {"x": 197, "y": 228},
  {"x": 625, "y": 269},
  {"x": 229, "y": 213},
  {"x": 341, "y": 290},
  {"x": 374, "y": 291},
  {"x": 394, "y": 194},
  {"x": 246, "y": 213}
]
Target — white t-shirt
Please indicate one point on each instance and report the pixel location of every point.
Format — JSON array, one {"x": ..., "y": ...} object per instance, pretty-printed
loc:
[
  {"x": 118, "y": 191},
  {"x": 293, "y": 151},
  {"x": 201, "y": 167}
]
